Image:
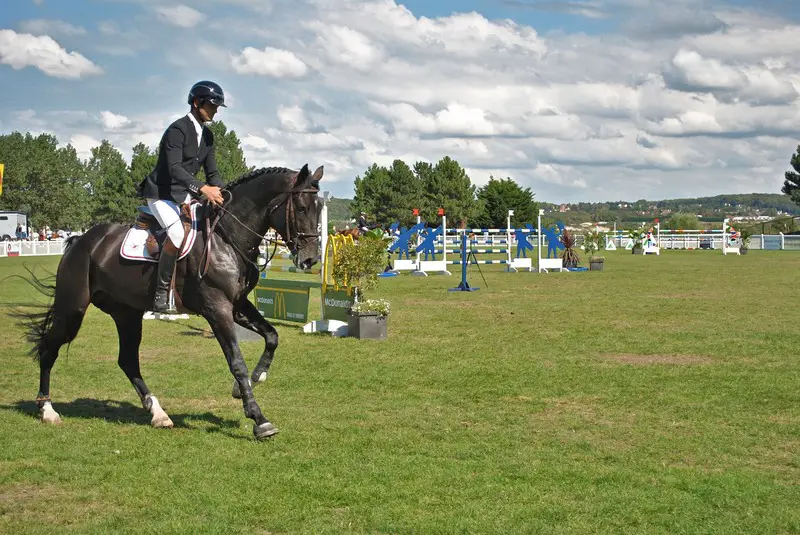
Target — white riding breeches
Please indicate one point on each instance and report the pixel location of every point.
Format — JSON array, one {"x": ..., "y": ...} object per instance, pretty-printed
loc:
[{"x": 168, "y": 215}]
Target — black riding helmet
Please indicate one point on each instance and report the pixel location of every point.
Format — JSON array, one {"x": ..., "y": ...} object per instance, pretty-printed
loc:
[{"x": 207, "y": 91}]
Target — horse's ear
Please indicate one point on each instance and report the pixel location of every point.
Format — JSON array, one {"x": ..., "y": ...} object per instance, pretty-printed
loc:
[
  {"x": 317, "y": 176},
  {"x": 303, "y": 174}
]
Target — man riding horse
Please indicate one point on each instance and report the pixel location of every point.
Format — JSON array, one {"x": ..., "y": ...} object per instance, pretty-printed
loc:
[
  {"x": 186, "y": 146},
  {"x": 217, "y": 272}
]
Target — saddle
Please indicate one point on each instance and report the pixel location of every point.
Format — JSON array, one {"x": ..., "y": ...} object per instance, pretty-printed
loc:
[{"x": 146, "y": 236}]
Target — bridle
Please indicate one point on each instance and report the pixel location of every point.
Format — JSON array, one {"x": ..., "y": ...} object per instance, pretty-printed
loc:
[{"x": 293, "y": 239}]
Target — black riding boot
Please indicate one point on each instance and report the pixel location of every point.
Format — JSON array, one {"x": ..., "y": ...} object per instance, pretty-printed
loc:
[{"x": 166, "y": 266}]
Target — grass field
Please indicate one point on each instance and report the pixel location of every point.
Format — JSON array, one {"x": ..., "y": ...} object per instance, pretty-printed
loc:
[{"x": 659, "y": 396}]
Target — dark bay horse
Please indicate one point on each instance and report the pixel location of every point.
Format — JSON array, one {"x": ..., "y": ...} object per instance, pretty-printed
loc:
[{"x": 92, "y": 271}]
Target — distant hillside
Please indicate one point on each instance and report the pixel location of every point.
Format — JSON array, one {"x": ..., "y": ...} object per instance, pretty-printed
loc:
[
  {"x": 339, "y": 211},
  {"x": 709, "y": 209}
]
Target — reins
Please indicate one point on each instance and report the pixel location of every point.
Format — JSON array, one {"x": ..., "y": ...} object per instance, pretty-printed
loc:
[{"x": 211, "y": 227}]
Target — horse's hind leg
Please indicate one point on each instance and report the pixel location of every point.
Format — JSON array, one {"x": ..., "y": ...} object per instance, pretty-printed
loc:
[
  {"x": 129, "y": 329},
  {"x": 248, "y": 316},
  {"x": 59, "y": 326}
]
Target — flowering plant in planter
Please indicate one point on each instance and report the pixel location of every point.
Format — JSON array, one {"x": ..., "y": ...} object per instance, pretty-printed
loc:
[
  {"x": 371, "y": 306},
  {"x": 591, "y": 244}
]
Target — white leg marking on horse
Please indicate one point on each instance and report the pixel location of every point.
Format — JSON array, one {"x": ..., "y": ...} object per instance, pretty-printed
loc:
[
  {"x": 49, "y": 415},
  {"x": 160, "y": 418},
  {"x": 262, "y": 377}
]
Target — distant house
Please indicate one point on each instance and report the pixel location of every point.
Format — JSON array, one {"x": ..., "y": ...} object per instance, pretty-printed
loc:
[{"x": 563, "y": 208}]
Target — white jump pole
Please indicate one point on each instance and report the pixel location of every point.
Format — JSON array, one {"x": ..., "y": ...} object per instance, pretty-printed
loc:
[
  {"x": 323, "y": 243},
  {"x": 539, "y": 239},
  {"x": 444, "y": 238},
  {"x": 508, "y": 238}
]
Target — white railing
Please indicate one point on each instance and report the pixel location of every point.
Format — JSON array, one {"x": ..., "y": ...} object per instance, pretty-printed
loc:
[{"x": 31, "y": 248}]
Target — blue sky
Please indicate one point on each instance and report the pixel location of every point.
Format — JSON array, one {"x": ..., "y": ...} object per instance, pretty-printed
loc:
[{"x": 578, "y": 100}]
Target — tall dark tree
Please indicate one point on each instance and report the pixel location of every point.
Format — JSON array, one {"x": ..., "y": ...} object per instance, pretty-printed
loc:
[
  {"x": 405, "y": 194},
  {"x": 447, "y": 185},
  {"x": 791, "y": 186},
  {"x": 113, "y": 186},
  {"x": 230, "y": 157},
  {"x": 371, "y": 194},
  {"x": 500, "y": 196},
  {"x": 143, "y": 161}
]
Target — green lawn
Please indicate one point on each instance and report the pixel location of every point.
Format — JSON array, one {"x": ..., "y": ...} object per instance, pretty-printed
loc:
[{"x": 659, "y": 396}]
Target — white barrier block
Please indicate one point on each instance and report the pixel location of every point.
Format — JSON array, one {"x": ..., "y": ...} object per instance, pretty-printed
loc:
[
  {"x": 432, "y": 266},
  {"x": 404, "y": 265},
  {"x": 551, "y": 264},
  {"x": 520, "y": 263}
]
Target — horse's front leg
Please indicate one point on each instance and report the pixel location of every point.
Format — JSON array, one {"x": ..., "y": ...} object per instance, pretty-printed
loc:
[
  {"x": 247, "y": 315},
  {"x": 221, "y": 321}
]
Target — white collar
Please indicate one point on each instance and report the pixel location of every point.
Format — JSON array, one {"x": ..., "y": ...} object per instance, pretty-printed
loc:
[{"x": 197, "y": 125}]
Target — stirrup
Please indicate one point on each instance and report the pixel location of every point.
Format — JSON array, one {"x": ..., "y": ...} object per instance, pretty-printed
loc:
[{"x": 165, "y": 306}]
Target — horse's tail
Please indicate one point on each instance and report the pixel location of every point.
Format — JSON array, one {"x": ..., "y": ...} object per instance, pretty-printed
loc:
[
  {"x": 58, "y": 321},
  {"x": 37, "y": 324}
]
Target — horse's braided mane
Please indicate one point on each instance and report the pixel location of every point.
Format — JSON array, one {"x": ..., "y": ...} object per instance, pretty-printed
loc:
[{"x": 259, "y": 172}]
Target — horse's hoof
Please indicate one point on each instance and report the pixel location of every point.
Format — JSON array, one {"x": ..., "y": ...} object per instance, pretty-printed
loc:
[
  {"x": 49, "y": 415},
  {"x": 162, "y": 422},
  {"x": 51, "y": 419},
  {"x": 261, "y": 377},
  {"x": 264, "y": 430}
]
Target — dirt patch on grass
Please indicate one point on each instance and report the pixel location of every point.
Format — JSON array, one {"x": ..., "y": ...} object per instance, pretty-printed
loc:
[
  {"x": 23, "y": 503},
  {"x": 648, "y": 360}
]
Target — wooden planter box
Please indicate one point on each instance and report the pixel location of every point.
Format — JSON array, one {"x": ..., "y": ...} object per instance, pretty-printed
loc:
[{"x": 596, "y": 266}]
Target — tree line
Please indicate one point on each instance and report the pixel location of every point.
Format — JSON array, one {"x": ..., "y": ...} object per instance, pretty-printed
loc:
[
  {"x": 56, "y": 188},
  {"x": 389, "y": 194}
]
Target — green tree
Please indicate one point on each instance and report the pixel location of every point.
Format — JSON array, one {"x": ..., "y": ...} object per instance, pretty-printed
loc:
[
  {"x": 405, "y": 194},
  {"x": 230, "y": 157},
  {"x": 371, "y": 194},
  {"x": 448, "y": 186},
  {"x": 46, "y": 182},
  {"x": 388, "y": 195},
  {"x": 791, "y": 186},
  {"x": 143, "y": 161},
  {"x": 683, "y": 221},
  {"x": 500, "y": 196},
  {"x": 113, "y": 187}
]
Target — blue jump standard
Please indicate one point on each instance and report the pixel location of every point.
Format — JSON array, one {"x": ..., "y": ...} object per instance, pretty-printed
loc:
[{"x": 463, "y": 286}]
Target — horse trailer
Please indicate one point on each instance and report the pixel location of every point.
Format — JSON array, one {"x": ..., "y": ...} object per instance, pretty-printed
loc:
[{"x": 9, "y": 221}]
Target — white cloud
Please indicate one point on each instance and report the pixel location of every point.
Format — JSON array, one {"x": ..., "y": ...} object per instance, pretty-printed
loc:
[
  {"x": 112, "y": 121},
  {"x": 20, "y": 50},
  {"x": 180, "y": 15},
  {"x": 83, "y": 145},
  {"x": 292, "y": 118},
  {"x": 270, "y": 61}
]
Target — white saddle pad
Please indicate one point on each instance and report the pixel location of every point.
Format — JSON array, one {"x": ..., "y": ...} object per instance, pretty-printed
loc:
[{"x": 133, "y": 247}]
